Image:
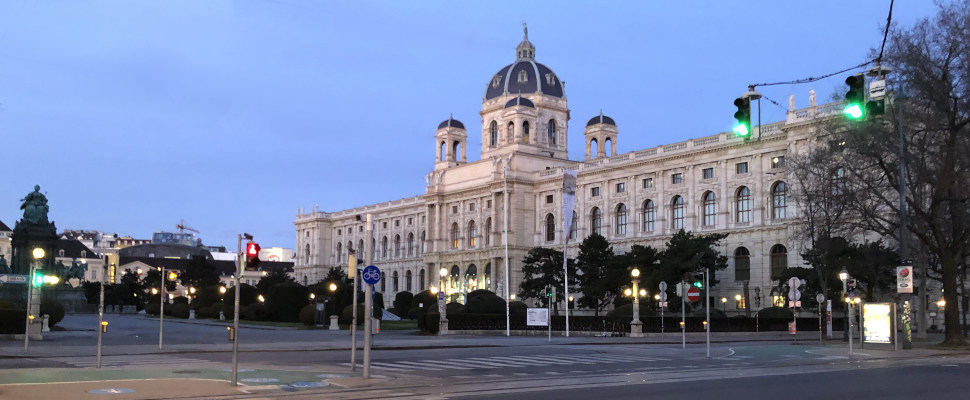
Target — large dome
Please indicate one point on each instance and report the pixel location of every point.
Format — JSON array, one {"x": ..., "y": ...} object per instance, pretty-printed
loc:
[{"x": 525, "y": 76}]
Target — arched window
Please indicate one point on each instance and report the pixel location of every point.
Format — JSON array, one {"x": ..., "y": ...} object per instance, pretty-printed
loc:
[
  {"x": 421, "y": 279},
  {"x": 454, "y": 235},
  {"x": 493, "y": 134},
  {"x": 574, "y": 228},
  {"x": 471, "y": 278},
  {"x": 743, "y": 204},
  {"x": 383, "y": 282},
  {"x": 710, "y": 209},
  {"x": 443, "y": 149},
  {"x": 453, "y": 278},
  {"x": 360, "y": 247},
  {"x": 339, "y": 253},
  {"x": 410, "y": 244},
  {"x": 394, "y": 282},
  {"x": 421, "y": 249},
  {"x": 649, "y": 215},
  {"x": 525, "y": 131},
  {"x": 620, "y": 228},
  {"x": 779, "y": 261},
  {"x": 593, "y": 148},
  {"x": 397, "y": 246},
  {"x": 472, "y": 233},
  {"x": 407, "y": 281},
  {"x": 488, "y": 231},
  {"x": 510, "y": 132},
  {"x": 742, "y": 264},
  {"x": 596, "y": 220},
  {"x": 456, "y": 150},
  {"x": 306, "y": 253},
  {"x": 677, "y": 213},
  {"x": 350, "y": 247},
  {"x": 838, "y": 181},
  {"x": 608, "y": 147},
  {"x": 552, "y": 131},
  {"x": 384, "y": 247},
  {"x": 779, "y": 201},
  {"x": 550, "y": 227},
  {"x": 487, "y": 277}
]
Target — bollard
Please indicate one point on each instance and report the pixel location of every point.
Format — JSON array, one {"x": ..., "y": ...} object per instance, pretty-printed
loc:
[
  {"x": 333, "y": 323},
  {"x": 232, "y": 334}
]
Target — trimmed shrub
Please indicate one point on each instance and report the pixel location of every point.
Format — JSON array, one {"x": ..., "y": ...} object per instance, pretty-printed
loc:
[
  {"x": 247, "y": 295},
  {"x": 51, "y": 307},
  {"x": 151, "y": 309},
  {"x": 13, "y": 317},
  {"x": 348, "y": 312},
  {"x": 210, "y": 311},
  {"x": 715, "y": 313},
  {"x": 308, "y": 315},
  {"x": 285, "y": 300},
  {"x": 478, "y": 292},
  {"x": 518, "y": 308},
  {"x": 431, "y": 321},
  {"x": 485, "y": 303},
  {"x": 207, "y": 296},
  {"x": 180, "y": 310},
  {"x": 402, "y": 304},
  {"x": 455, "y": 308},
  {"x": 775, "y": 312},
  {"x": 253, "y": 312}
]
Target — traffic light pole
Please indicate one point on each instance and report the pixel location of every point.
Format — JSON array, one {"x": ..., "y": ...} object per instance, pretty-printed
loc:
[
  {"x": 240, "y": 267},
  {"x": 683, "y": 316},
  {"x": 161, "y": 307},
  {"x": 30, "y": 298},
  {"x": 707, "y": 289}
]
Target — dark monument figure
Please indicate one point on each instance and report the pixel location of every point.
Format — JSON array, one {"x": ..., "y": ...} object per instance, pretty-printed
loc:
[
  {"x": 33, "y": 231},
  {"x": 4, "y": 269}
]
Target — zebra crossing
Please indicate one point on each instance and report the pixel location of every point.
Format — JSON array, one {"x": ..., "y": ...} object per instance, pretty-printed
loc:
[
  {"x": 133, "y": 360},
  {"x": 470, "y": 363}
]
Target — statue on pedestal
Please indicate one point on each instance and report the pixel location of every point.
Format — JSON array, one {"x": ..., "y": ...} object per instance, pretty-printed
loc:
[
  {"x": 4, "y": 269},
  {"x": 35, "y": 207}
]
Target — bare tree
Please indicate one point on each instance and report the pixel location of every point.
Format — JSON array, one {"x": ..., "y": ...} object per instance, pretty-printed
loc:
[{"x": 931, "y": 65}]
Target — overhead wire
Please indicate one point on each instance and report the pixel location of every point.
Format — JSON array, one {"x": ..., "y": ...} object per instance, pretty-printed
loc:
[{"x": 876, "y": 60}]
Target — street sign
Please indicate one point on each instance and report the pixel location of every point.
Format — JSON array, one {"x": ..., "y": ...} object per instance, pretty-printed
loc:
[
  {"x": 904, "y": 279},
  {"x": 12, "y": 278},
  {"x": 441, "y": 296},
  {"x": 693, "y": 294},
  {"x": 794, "y": 283},
  {"x": 663, "y": 296},
  {"x": 820, "y": 298},
  {"x": 794, "y": 295},
  {"x": 537, "y": 316},
  {"x": 663, "y": 286},
  {"x": 371, "y": 275}
]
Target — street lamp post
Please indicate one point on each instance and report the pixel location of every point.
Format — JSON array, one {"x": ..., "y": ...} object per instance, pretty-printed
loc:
[
  {"x": 737, "y": 302},
  {"x": 222, "y": 299},
  {"x": 636, "y": 327},
  {"x": 442, "y": 305},
  {"x": 844, "y": 276},
  {"x": 38, "y": 254},
  {"x": 724, "y": 305},
  {"x": 240, "y": 267},
  {"x": 161, "y": 305}
]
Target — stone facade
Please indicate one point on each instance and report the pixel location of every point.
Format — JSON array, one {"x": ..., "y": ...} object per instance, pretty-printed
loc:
[{"x": 716, "y": 183}]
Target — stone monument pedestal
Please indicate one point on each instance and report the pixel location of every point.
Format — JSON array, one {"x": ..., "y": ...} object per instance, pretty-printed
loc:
[{"x": 636, "y": 329}]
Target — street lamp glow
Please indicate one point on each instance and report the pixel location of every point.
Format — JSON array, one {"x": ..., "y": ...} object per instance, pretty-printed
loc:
[
  {"x": 512, "y": 296},
  {"x": 333, "y": 287},
  {"x": 38, "y": 253},
  {"x": 434, "y": 290},
  {"x": 154, "y": 290},
  {"x": 843, "y": 275},
  {"x": 222, "y": 289},
  {"x": 261, "y": 299},
  {"x": 635, "y": 273},
  {"x": 723, "y": 299},
  {"x": 656, "y": 297},
  {"x": 737, "y": 297},
  {"x": 442, "y": 272},
  {"x": 628, "y": 292},
  {"x": 312, "y": 296},
  {"x": 643, "y": 293}
]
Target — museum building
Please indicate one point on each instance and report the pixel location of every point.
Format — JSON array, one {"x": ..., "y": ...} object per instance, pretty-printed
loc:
[{"x": 711, "y": 184}]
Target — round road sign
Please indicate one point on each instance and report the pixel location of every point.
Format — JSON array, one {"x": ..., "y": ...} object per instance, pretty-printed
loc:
[
  {"x": 371, "y": 275},
  {"x": 693, "y": 294}
]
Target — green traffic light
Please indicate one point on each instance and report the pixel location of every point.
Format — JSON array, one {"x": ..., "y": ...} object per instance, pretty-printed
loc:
[
  {"x": 854, "y": 111},
  {"x": 699, "y": 284},
  {"x": 741, "y": 130},
  {"x": 38, "y": 280}
]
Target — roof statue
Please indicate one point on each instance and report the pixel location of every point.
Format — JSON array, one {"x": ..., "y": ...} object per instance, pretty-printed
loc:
[
  {"x": 525, "y": 29},
  {"x": 35, "y": 207}
]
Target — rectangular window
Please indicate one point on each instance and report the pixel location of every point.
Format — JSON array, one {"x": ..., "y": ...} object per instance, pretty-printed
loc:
[
  {"x": 471, "y": 206},
  {"x": 708, "y": 173},
  {"x": 384, "y": 225},
  {"x": 488, "y": 204},
  {"x": 594, "y": 191},
  {"x": 548, "y": 199},
  {"x": 397, "y": 223},
  {"x": 410, "y": 221},
  {"x": 677, "y": 178},
  {"x": 778, "y": 162},
  {"x": 647, "y": 183},
  {"x": 620, "y": 187},
  {"x": 454, "y": 209},
  {"x": 338, "y": 232},
  {"x": 741, "y": 168}
]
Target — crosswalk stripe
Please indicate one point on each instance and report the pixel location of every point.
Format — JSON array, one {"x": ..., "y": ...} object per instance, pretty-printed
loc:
[
  {"x": 467, "y": 364},
  {"x": 498, "y": 361},
  {"x": 514, "y": 361},
  {"x": 433, "y": 364}
]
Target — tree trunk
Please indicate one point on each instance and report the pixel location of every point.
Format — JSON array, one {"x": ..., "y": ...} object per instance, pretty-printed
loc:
[{"x": 954, "y": 331}]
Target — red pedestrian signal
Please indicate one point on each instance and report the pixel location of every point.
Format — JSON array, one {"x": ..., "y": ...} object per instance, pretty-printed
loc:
[{"x": 252, "y": 255}]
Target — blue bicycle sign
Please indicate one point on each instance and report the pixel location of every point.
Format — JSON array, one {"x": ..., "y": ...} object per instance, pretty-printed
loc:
[{"x": 371, "y": 275}]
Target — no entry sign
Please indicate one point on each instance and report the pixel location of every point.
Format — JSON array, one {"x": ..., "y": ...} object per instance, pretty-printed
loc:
[{"x": 693, "y": 294}]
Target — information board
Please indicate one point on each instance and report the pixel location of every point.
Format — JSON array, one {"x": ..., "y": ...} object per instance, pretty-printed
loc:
[{"x": 537, "y": 317}]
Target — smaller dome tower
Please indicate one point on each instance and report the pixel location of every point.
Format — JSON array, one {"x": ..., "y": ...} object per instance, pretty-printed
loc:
[
  {"x": 450, "y": 140},
  {"x": 600, "y": 132}
]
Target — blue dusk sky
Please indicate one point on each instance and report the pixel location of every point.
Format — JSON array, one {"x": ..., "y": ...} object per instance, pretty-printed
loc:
[{"x": 231, "y": 115}]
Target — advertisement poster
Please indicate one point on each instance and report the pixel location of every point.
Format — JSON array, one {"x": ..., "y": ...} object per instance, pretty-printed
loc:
[
  {"x": 904, "y": 279},
  {"x": 877, "y": 322}
]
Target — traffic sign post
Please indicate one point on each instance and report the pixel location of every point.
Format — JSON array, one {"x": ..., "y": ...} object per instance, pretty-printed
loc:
[
  {"x": 371, "y": 275},
  {"x": 663, "y": 303},
  {"x": 693, "y": 294}
]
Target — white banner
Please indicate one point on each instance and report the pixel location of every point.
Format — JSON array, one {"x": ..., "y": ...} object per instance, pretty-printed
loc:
[
  {"x": 568, "y": 201},
  {"x": 537, "y": 316},
  {"x": 904, "y": 279}
]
